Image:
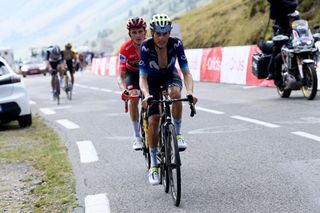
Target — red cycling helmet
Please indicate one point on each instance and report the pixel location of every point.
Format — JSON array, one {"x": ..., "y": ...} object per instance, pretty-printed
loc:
[{"x": 136, "y": 22}]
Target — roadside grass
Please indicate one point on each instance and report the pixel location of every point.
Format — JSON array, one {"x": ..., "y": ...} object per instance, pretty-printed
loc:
[{"x": 41, "y": 147}]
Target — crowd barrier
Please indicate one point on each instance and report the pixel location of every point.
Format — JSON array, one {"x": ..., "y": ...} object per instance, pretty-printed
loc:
[{"x": 219, "y": 65}]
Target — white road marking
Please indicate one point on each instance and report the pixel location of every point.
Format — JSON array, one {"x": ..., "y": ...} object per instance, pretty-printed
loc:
[
  {"x": 68, "y": 124},
  {"x": 307, "y": 135},
  {"x": 209, "y": 110},
  {"x": 106, "y": 90},
  {"x": 32, "y": 102},
  {"x": 62, "y": 107},
  {"x": 94, "y": 88},
  {"x": 117, "y": 92},
  {"x": 87, "y": 151},
  {"x": 249, "y": 87},
  {"x": 47, "y": 111},
  {"x": 255, "y": 121},
  {"x": 98, "y": 203}
]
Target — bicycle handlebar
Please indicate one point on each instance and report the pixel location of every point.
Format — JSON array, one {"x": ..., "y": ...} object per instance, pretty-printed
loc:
[{"x": 170, "y": 101}]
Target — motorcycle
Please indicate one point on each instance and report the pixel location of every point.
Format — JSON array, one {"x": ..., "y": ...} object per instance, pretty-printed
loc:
[{"x": 299, "y": 56}]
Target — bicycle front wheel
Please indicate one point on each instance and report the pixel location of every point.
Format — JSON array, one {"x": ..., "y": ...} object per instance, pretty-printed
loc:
[
  {"x": 173, "y": 160},
  {"x": 57, "y": 89}
]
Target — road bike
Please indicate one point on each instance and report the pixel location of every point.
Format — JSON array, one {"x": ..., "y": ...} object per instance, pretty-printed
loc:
[
  {"x": 67, "y": 85},
  {"x": 143, "y": 122},
  {"x": 56, "y": 83},
  {"x": 168, "y": 155}
]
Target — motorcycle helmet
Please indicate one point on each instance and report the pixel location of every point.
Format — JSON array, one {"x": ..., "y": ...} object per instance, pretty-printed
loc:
[{"x": 160, "y": 23}]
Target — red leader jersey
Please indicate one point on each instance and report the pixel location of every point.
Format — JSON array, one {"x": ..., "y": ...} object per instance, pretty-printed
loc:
[{"x": 129, "y": 57}]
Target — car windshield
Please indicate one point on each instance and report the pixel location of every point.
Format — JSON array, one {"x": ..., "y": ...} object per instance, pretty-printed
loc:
[
  {"x": 33, "y": 61},
  {"x": 3, "y": 69}
]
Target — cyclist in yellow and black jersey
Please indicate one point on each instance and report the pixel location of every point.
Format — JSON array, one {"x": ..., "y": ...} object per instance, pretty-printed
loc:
[{"x": 70, "y": 57}]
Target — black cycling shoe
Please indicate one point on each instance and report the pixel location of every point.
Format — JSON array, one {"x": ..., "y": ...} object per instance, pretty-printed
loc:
[{"x": 270, "y": 76}]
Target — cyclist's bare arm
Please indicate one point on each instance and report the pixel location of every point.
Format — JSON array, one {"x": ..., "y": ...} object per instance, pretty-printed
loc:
[
  {"x": 188, "y": 82},
  {"x": 121, "y": 81},
  {"x": 144, "y": 89}
]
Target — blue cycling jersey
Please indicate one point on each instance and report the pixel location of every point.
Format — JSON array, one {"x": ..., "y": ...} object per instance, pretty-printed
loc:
[{"x": 149, "y": 65}]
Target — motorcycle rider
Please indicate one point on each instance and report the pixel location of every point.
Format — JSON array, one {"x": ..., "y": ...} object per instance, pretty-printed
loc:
[{"x": 282, "y": 12}]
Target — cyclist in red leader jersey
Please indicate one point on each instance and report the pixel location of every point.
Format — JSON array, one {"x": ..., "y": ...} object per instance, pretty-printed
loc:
[{"x": 129, "y": 72}]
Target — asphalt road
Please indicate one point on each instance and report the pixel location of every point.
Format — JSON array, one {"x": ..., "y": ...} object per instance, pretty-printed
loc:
[{"x": 249, "y": 150}]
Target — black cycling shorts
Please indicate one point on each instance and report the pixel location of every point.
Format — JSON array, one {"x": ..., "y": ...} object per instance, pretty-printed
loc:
[
  {"x": 70, "y": 67},
  {"x": 166, "y": 80},
  {"x": 132, "y": 80},
  {"x": 54, "y": 65}
]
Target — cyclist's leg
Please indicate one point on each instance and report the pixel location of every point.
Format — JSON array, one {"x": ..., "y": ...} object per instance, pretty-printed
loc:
[
  {"x": 132, "y": 84},
  {"x": 174, "y": 89},
  {"x": 53, "y": 66},
  {"x": 71, "y": 70},
  {"x": 153, "y": 134}
]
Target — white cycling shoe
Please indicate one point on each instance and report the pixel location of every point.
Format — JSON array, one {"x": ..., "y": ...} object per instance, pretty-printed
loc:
[
  {"x": 154, "y": 176},
  {"x": 137, "y": 144},
  {"x": 182, "y": 145}
]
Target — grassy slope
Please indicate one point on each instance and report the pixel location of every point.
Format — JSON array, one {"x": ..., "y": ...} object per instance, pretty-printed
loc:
[
  {"x": 43, "y": 149},
  {"x": 234, "y": 22}
]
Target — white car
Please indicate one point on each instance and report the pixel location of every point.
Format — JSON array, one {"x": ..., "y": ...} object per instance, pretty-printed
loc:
[{"x": 14, "y": 101}]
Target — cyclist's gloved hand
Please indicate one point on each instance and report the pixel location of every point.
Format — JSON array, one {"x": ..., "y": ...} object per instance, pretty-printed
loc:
[
  {"x": 192, "y": 99},
  {"x": 147, "y": 101},
  {"x": 125, "y": 95}
]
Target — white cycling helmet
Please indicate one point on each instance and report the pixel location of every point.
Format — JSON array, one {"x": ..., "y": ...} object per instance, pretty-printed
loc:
[{"x": 160, "y": 23}]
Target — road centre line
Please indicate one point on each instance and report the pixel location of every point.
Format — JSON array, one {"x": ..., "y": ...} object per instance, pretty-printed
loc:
[
  {"x": 47, "y": 111},
  {"x": 67, "y": 124},
  {"x": 307, "y": 135},
  {"x": 98, "y": 203},
  {"x": 209, "y": 110},
  {"x": 87, "y": 151},
  {"x": 255, "y": 121}
]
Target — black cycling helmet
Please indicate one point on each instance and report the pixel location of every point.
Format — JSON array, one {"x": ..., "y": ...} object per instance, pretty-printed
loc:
[
  {"x": 68, "y": 46},
  {"x": 136, "y": 22},
  {"x": 56, "y": 50},
  {"x": 295, "y": 15}
]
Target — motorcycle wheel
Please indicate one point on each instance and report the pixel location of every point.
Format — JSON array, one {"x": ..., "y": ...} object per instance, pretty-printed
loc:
[
  {"x": 310, "y": 86},
  {"x": 283, "y": 93}
]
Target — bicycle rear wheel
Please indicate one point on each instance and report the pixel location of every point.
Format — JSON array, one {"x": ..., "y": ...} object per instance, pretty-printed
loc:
[{"x": 173, "y": 162}]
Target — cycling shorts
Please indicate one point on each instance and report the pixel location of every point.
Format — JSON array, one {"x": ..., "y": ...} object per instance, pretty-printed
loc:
[
  {"x": 132, "y": 80},
  {"x": 54, "y": 65},
  {"x": 70, "y": 67},
  {"x": 166, "y": 80}
]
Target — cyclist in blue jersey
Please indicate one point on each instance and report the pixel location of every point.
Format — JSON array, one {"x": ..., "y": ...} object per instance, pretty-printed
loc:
[{"x": 158, "y": 56}]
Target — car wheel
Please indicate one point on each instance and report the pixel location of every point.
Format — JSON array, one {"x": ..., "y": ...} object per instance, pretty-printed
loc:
[
  {"x": 24, "y": 76},
  {"x": 25, "y": 121}
]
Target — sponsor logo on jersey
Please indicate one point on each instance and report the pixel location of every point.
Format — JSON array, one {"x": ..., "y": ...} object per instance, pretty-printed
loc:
[{"x": 122, "y": 58}]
